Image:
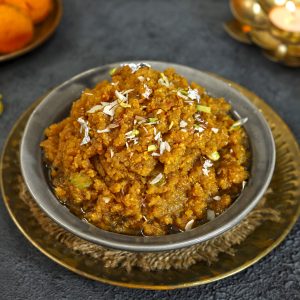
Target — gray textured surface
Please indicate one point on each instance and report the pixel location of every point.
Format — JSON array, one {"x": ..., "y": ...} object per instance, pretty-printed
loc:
[{"x": 188, "y": 32}]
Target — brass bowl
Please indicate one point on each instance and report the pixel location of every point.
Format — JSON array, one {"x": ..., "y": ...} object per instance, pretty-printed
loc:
[{"x": 42, "y": 32}]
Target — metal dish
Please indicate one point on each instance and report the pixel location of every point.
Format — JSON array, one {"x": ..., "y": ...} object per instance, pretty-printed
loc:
[{"x": 56, "y": 106}]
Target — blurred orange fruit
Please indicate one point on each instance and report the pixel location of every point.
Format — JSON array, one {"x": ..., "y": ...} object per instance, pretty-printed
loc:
[
  {"x": 37, "y": 10},
  {"x": 20, "y": 4},
  {"x": 16, "y": 29}
]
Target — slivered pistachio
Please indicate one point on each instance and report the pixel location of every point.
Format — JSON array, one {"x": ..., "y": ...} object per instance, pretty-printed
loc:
[
  {"x": 163, "y": 76},
  {"x": 164, "y": 80},
  {"x": 214, "y": 156},
  {"x": 135, "y": 132},
  {"x": 171, "y": 125},
  {"x": 152, "y": 120},
  {"x": 81, "y": 181},
  {"x": 204, "y": 108},
  {"x": 152, "y": 148},
  {"x": 184, "y": 92},
  {"x": 123, "y": 104},
  {"x": 112, "y": 71}
]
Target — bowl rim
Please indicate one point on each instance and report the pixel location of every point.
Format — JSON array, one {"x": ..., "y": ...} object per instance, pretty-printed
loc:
[{"x": 108, "y": 239}]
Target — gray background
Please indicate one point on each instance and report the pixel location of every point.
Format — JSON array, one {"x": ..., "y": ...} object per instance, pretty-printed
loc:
[{"x": 189, "y": 32}]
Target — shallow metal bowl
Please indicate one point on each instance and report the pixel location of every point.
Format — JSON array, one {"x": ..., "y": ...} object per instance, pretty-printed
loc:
[{"x": 57, "y": 105}]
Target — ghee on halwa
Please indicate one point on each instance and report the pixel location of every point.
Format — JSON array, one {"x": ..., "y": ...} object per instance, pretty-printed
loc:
[{"x": 147, "y": 153}]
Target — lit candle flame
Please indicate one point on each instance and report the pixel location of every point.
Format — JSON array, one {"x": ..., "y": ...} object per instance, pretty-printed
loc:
[
  {"x": 287, "y": 16},
  {"x": 256, "y": 8},
  {"x": 290, "y": 6},
  {"x": 280, "y": 2}
]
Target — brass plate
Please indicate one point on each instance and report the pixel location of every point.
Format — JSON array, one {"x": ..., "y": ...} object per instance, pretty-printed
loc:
[
  {"x": 285, "y": 183},
  {"x": 42, "y": 32}
]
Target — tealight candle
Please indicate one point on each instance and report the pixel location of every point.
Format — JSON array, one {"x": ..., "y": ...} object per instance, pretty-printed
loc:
[{"x": 286, "y": 17}]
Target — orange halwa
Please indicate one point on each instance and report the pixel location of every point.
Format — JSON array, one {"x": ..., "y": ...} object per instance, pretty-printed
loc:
[{"x": 147, "y": 153}]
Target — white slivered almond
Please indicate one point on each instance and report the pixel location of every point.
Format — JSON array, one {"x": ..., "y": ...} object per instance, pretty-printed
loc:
[
  {"x": 156, "y": 179},
  {"x": 210, "y": 214},
  {"x": 106, "y": 199},
  {"x": 189, "y": 225},
  {"x": 95, "y": 109}
]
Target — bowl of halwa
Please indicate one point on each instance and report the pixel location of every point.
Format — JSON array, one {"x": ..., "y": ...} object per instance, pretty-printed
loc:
[{"x": 147, "y": 156}]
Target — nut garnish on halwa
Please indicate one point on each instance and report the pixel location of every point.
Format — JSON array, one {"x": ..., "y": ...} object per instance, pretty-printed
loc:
[{"x": 147, "y": 153}]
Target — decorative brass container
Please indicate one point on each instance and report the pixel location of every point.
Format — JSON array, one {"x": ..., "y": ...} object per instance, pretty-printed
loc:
[{"x": 252, "y": 25}]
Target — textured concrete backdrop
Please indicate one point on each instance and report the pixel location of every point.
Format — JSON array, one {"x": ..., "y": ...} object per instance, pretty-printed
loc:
[{"x": 188, "y": 32}]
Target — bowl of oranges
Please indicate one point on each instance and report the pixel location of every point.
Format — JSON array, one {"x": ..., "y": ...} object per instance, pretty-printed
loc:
[{"x": 26, "y": 24}]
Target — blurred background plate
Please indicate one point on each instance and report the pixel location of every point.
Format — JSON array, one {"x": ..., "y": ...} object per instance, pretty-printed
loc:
[{"x": 42, "y": 32}]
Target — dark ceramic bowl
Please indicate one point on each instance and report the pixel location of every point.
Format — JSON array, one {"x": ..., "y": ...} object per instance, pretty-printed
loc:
[{"x": 57, "y": 105}]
